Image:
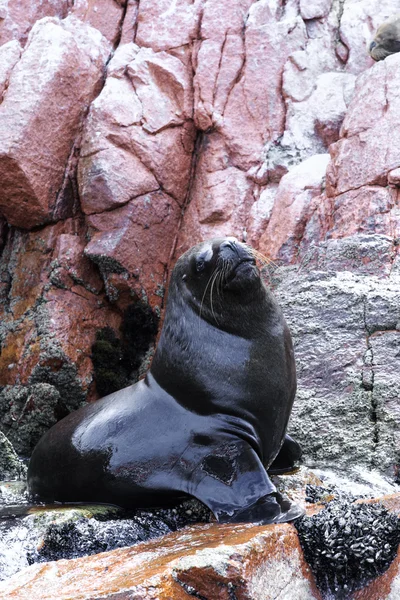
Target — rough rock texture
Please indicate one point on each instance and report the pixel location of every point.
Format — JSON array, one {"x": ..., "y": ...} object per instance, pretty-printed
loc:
[
  {"x": 135, "y": 168},
  {"x": 263, "y": 119},
  {"x": 37, "y": 534},
  {"x": 48, "y": 91},
  {"x": 52, "y": 304},
  {"x": 219, "y": 562},
  {"x": 105, "y": 15},
  {"x": 208, "y": 561},
  {"x": 18, "y": 16},
  {"x": 361, "y": 137},
  {"x": 131, "y": 130},
  {"x": 346, "y": 343},
  {"x": 10, "y": 465}
]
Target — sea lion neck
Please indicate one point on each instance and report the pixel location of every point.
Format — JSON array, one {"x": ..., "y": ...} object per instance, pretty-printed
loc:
[{"x": 190, "y": 345}]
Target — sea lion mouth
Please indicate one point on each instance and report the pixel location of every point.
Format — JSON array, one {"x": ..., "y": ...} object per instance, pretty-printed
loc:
[
  {"x": 243, "y": 261},
  {"x": 240, "y": 267}
]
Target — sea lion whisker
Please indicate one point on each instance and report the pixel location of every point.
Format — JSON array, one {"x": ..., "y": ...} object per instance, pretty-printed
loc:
[
  {"x": 220, "y": 280},
  {"x": 205, "y": 291},
  {"x": 222, "y": 268},
  {"x": 262, "y": 258},
  {"x": 221, "y": 265},
  {"x": 211, "y": 297},
  {"x": 227, "y": 267}
]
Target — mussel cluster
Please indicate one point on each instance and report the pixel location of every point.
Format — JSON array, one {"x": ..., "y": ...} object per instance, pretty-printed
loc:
[{"x": 347, "y": 545}]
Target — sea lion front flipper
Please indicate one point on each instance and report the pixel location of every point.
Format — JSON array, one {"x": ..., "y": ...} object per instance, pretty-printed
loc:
[
  {"x": 232, "y": 482},
  {"x": 289, "y": 454}
]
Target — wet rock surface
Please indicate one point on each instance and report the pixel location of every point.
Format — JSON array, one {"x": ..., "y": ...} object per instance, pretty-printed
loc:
[
  {"x": 41, "y": 533},
  {"x": 207, "y": 561},
  {"x": 212, "y": 560},
  {"x": 216, "y": 561},
  {"x": 37, "y": 534}
]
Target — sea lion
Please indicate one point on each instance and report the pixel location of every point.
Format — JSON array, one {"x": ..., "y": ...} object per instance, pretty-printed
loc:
[
  {"x": 210, "y": 417},
  {"x": 387, "y": 39}
]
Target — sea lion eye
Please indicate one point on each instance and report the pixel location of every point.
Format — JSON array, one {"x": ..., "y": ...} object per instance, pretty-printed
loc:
[{"x": 200, "y": 264}]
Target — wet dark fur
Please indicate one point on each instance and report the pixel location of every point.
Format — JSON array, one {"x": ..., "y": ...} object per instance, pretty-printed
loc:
[{"x": 209, "y": 418}]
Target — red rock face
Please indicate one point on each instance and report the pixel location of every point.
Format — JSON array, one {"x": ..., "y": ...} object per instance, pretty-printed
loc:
[
  {"x": 19, "y": 16},
  {"x": 52, "y": 304},
  {"x": 131, "y": 130},
  {"x": 47, "y": 94}
]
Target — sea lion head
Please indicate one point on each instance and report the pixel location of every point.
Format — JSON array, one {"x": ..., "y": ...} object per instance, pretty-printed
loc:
[
  {"x": 386, "y": 40},
  {"x": 218, "y": 279}
]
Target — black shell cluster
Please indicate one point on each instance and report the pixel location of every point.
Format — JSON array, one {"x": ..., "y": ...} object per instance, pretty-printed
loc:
[
  {"x": 347, "y": 545},
  {"x": 324, "y": 494},
  {"x": 86, "y": 536}
]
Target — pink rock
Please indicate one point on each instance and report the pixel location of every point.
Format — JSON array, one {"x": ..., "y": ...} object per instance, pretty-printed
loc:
[
  {"x": 168, "y": 155},
  {"x": 220, "y": 199},
  {"x": 316, "y": 93},
  {"x": 112, "y": 177},
  {"x": 314, "y": 9},
  {"x": 157, "y": 74},
  {"x": 293, "y": 207},
  {"x": 331, "y": 100},
  {"x": 394, "y": 177},
  {"x": 219, "y": 59},
  {"x": 163, "y": 25},
  {"x": 123, "y": 55},
  {"x": 358, "y": 159},
  {"x": 128, "y": 33},
  {"x": 372, "y": 209},
  {"x": 255, "y": 110},
  {"x": 71, "y": 262},
  {"x": 371, "y": 95},
  {"x": 314, "y": 123},
  {"x": 260, "y": 214},
  {"x": 75, "y": 316},
  {"x": 104, "y": 15},
  {"x": 49, "y": 90},
  {"x": 135, "y": 241},
  {"x": 357, "y": 26},
  {"x": 10, "y": 54},
  {"x": 128, "y": 148},
  {"x": 57, "y": 300},
  {"x": 18, "y": 16}
]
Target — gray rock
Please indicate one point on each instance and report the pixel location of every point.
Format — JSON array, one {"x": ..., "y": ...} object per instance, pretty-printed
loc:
[
  {"x": 10, "y": 465},
  {"x": 345, "y": 327},
  {"x": 26, "y": 412}
]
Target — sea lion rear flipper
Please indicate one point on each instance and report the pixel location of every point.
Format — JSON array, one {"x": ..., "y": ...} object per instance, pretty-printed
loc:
[
  {"x": 235, "y": 486},
  {"x": 289, "y": 454}
]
